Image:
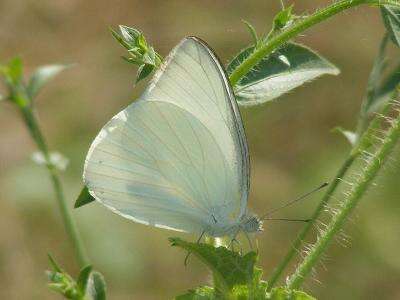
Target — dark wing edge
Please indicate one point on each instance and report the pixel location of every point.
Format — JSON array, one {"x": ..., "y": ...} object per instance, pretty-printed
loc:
[{"x": 235, "y": 112}]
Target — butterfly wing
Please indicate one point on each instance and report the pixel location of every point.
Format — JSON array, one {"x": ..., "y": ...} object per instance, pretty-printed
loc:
[{"x": 178, "y": 155}]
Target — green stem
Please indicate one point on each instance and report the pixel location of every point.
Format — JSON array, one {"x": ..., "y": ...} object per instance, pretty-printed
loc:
[
  {"x": 363, "y": 143},
  {"x": 277, "y": 273},
  {"x": 297, "y": 28},
  {"x": 70, "y": 226},
  {"x": 356, "y": 192}
]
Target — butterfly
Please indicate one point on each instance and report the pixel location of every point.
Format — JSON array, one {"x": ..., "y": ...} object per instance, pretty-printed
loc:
[{"x": 177, "y": 157}]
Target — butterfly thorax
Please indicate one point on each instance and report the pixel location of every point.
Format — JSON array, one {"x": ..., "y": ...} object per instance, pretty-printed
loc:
[
  {"x": 247, "y": 223},
  {"x": 251, "y": 223}
]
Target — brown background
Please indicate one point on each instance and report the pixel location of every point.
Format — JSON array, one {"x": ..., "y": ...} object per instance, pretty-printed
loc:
[{"x": 290, "y": 141}]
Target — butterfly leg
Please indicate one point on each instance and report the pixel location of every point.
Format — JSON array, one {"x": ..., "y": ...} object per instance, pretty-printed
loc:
[
  {"x": 197, "y": 242},
  {"x": 234, "y": 240},
  {"x": 248, "y": 239}
]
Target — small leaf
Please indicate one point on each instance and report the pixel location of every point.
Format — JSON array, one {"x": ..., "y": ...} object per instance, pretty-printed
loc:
[
  {"x": 84, "y": 198},
  {"x": 201, "y": 293},
  {"x": 385, "y": 91},
  {"x": 41, "y": 76},
  {"x": 252, "y": 32},
  {"x": 375, "y": 78},
  {"x": 56, "y": 159},
  {"x": 281, "y": 293},
  {"x": 63, "y": 283},
  {"x": 230, "y": 268},
  {"x": 349, "y": 135},
  {"x": 97, "y": 287},
  {"x": 129, "y": 34},
  {"x": 143, "y": 72},
  {"x": 391, "y": 19},
  {"x": 120, "y": 39},
  {"x": 290, "y": 67},
  {"x": 14, "y": 70},
  {"x": 283, "y": 18},
  {"x": 53, "y": 263},
  {"x": 83, "y": 279}
]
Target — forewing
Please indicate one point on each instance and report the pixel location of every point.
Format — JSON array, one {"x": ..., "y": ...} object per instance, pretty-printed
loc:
[{"x": 193, "y": 79}]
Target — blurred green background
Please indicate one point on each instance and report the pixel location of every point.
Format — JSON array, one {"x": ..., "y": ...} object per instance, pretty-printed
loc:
[{"x": 291, "y": 144}]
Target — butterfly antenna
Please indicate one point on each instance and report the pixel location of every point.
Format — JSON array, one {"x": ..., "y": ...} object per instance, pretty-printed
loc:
[
  {"x": 265, "y": 217},
  {"x": 290, "y": 220}
]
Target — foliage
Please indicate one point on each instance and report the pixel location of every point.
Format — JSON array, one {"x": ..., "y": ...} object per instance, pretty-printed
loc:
[
  {"x": 140, "y": 52},
  {"x": 391, "y": 19},
  {"x": 22, "y": 95},
  {"x": 235, "y": 275},
  {"x": 287, "y": 68},
  {"x": 90, "y": 284}
]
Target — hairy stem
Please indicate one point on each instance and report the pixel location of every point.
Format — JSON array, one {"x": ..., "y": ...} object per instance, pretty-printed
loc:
[
  {"x": 363, "y": 143},
  {"x": 297, "y": 28},
  {"x": 358, "y": 189},
  {"x": 70, "y": 226},
  {"x": 277, "y": 273}
]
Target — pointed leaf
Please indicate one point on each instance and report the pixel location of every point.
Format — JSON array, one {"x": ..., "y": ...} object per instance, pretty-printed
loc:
[
  {"x": 84, "y": 198},
  {"x": 280, "y": 293},
  {"x": 129, "y": 34},
  {"x": 14, "y": 70},
  {"x": 283, "y": 18},
  {"x": 97, "y": 287},
  {"x": 252, "y": 31},
  {"x": 53, "y": 263},
  {"x": 41, "y": 76},
  {"x": 230, "y": 268},
  {"x": 349, "y": 135},
  {"x": 375, "y": 78},
  {"x": 143, "y": 72},
  {"x": 83, "y": 279},
  {"x": 385, "y": 91},
  {"x": 290, "y": 67},
  {"x": 201, "y": 293},
  {"x": 391, "y": 19}
]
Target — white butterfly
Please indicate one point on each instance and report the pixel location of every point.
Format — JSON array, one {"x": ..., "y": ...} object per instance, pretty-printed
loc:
[{"x": 177, "y": 157}]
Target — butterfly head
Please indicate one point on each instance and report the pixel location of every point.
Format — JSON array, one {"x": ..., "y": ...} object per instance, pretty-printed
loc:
[{"x": 251, "y": 224}]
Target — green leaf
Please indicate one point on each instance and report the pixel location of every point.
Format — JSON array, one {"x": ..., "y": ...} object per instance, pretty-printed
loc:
[
  {"x": 143, "y": 72},
  {"x": 287, "y": 68},
  {"x": 283, "y": 18},
  {"x": 281, "y": 293},
  {"x": 120, "y": 39},
  {"x": 83, "y": 278},
  {"x": 97, "y": 287},
  {"x": 375, "y": 78},
  {"x": 230, "y": 268},
  {"x": 140, "y": 52},
  {"x": 14, "y": 70},
  {"x": 84, "y": 198},
  {"x": 41, "y": 76},
  {"x": 201, "y": 293},
  {"x": 385, "y": 91},
  {"x": 349, "y": 135},
  {"x": 129, "y": 34},
  {"x": 53, "y": 263},
  {"x": 252, "y": 31},
  {"x": 391, "y": 19},
  {"x": 63, "y": 283}
]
